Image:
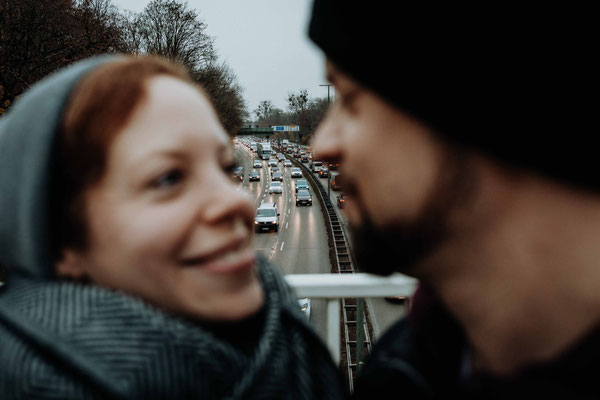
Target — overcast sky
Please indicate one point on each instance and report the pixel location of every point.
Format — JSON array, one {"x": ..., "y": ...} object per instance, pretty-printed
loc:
[{"x": 264, "y": 42}]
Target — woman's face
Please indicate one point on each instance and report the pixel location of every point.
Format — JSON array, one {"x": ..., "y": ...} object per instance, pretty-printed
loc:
[{"x": 166, "y": 222}]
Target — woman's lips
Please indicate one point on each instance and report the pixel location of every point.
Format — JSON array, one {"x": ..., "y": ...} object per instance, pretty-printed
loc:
[{"x": 227, "y": 263}]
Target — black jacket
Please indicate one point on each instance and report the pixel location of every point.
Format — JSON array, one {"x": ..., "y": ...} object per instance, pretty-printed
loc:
[{"x": 421, "y": 357}]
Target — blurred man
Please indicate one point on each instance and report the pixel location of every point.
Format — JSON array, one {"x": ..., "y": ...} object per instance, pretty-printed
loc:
[{"x": 465, "y": 141}]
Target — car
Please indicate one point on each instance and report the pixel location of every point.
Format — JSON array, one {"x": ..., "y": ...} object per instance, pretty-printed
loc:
[
  {"x": 333, "y": 166},
  {"x": 254, "y": 176},
  {"x": 296, "y": 154},
  {"x": 277, "y": 176},
  {"x": 304, "y": 304},
  {"x": 304, "y": 158},
  {"x": 323, "y": 172},
  {"x": 302, "y": 184},
  {"x": 274, "y": 169},
  {"x": 280, "y": 157},
  {"x": 267, "y": 217},
  {"x": 340, "y": 200},
  {"x": 257, "y": 164},
  {"x": 402, "y": 300},
  {"x": 303, "y": 197},
  {"x": 275, "y": 187},
  {"x": 336, "y": 183},
  {"x": 315, "y": 165},
  {"x": 296, "y": 172},
  {"x": 287, "y": 163},
  {"x": 238, "y": 174},
  {"x": 272, "y": 162}
]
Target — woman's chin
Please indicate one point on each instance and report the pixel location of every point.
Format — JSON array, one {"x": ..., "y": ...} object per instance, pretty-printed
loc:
[{"x": 238, "y": 305}]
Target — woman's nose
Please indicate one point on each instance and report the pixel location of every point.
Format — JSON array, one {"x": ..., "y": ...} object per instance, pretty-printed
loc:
[{"x": 228, "y": 200}]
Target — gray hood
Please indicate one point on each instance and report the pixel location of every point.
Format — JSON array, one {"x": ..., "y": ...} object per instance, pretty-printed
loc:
[{"x": 27, "y": 134}]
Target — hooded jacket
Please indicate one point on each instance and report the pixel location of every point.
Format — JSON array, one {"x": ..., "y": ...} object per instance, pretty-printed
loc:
[{"x": 69, "y": 340}]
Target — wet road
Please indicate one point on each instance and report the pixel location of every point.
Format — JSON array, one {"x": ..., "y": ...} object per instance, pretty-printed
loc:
[{"x": 300, "y": 246}]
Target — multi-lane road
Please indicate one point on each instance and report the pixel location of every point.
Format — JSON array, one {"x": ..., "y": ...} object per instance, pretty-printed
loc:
[{"x": 300, "y": 246}]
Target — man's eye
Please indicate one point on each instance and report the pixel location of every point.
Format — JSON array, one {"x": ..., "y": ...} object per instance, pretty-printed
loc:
[
  {"x": 230, "y": 168},
  {"x": 167, "y": 179}
]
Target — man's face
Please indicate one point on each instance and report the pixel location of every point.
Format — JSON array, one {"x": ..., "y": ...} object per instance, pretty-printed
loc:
[{"x": 398, "y": 178}]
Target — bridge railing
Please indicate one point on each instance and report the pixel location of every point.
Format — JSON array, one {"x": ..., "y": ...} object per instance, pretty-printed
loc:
[{"x": 334, "y": 287}]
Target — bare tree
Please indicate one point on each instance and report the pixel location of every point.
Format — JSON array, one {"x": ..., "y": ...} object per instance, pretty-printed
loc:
[
  {"x": 298, "y": 105},
  {"x": 99, "y": 27},
  {"x": 40, "y": 36},
  {"x": 264, "y": 109},
  {"x": 169, "y": 29},
  {"x": 226, "y": 94}
]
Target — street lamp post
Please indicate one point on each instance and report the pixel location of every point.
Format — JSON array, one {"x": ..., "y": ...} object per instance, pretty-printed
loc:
[
  {"x": 328, "y": 172},
  {"x": 328, "y": 87}
]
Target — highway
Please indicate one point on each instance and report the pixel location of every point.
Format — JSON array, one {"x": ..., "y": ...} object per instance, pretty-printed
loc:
[{"x": 300, "y": 246}]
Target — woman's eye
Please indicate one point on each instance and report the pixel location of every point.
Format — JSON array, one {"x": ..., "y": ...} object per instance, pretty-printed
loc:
[{"x": 167, "y": 179}]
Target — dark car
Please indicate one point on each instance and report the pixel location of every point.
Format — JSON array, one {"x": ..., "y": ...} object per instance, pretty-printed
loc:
[
  {"x": 336, "y": 181},
  {"x": 341, "y": 200},
  {"x": 301, "y": 184},
  {"x": 323, "y": 172},
  {"x": 238, "y": 173},
  {"x": 254, "y": 176},
  {"x": 303, "y": 197},
  {"x": 333, "y": 166},
  {"x": 277, "y": 176},
  {"x": 304, "y": 158}
]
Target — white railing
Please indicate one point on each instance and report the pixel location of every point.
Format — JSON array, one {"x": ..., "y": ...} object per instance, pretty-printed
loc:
[{"x": 334, "y": 287}]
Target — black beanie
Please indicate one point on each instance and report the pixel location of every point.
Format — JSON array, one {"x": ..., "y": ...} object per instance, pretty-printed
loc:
[{"x": 518, "y": 84}]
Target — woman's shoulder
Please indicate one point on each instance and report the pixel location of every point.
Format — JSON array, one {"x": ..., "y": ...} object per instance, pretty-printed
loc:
[{"x": 86, "y": 337}]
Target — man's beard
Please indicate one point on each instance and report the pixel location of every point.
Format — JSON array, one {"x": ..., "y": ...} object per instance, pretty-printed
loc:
[{"x": 399, "y": 247}]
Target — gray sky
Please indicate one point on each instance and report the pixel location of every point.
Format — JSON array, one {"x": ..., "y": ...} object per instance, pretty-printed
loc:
[{"x": 265, "y": 44}]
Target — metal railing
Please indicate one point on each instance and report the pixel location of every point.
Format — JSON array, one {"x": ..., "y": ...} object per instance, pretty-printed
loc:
[{"x": 334, "y": 287}]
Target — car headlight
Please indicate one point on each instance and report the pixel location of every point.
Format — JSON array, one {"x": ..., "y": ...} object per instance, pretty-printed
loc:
[{"x": 304, "y": 307}]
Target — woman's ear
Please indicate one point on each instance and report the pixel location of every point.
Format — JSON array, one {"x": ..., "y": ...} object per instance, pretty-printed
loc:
[{"x": 70, "y": 265}]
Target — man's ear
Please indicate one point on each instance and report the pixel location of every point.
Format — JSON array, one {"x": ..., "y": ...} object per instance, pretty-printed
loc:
[{"x": 71, "y": 265}]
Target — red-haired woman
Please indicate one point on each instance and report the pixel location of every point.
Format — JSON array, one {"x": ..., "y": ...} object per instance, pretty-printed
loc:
[{"x": 129, "y": 249}]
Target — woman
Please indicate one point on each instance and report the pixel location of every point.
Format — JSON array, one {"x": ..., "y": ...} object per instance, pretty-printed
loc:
[{"x": 129, "y": 250}]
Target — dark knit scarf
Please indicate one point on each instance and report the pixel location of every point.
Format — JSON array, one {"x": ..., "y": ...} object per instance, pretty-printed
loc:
[{"x": 63, "y": 340}]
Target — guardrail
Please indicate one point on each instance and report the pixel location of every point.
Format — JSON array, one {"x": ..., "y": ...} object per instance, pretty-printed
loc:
[
  {"x": 334, "y": 287},
  {"x": 355, "y": 333}
]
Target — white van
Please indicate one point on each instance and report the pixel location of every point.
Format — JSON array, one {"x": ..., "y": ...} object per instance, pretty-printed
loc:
[{"x": 267, "y": 218}]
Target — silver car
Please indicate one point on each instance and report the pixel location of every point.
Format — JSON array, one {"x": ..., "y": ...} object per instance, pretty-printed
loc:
[{"x": 275, "y": 187}]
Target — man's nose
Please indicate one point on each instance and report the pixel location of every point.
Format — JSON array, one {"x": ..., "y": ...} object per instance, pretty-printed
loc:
[{"x": 326, "y": 141}]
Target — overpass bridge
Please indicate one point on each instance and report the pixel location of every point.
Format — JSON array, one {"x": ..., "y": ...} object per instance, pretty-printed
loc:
[{"x": 263, "y": 131}]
